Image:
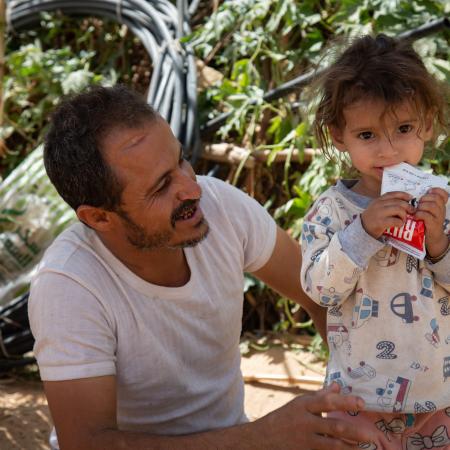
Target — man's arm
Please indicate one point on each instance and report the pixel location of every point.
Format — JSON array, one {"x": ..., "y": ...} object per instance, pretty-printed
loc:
[
  {"x": 282, "y": 273},
  {"x": 84, "y": 413}
]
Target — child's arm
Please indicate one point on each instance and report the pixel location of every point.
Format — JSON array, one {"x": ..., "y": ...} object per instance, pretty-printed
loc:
[
  {"x": 435, "y": 212},
  {"x": 334, "y": 255}
]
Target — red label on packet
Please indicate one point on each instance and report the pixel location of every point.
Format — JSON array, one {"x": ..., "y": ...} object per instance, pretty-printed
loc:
[{"x": 410, "y": 238}]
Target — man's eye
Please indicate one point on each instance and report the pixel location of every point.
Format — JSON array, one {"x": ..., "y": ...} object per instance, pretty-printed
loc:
[
  {"x": 163, "y": 186},
  {"x": 365, "y": 135},
  {"x": 405, "y": 128}
]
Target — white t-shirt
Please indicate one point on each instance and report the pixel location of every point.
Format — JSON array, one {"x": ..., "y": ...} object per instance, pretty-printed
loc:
[{"x": 174, "y": 351}]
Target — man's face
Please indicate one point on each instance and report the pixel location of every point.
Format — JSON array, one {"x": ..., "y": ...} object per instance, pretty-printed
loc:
[{"x": 160, "y": 200}]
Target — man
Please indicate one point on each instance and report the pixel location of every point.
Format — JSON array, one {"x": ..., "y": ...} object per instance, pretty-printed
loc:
[{"x": 136, "y": 310}]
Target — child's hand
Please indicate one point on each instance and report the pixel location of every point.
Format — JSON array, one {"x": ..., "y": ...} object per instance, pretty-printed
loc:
[
  {"x": 388, "y": 210},
  {"x": 431, "y": 209}
]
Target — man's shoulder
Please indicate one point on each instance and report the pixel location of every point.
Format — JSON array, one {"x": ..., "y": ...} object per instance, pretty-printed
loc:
[{"x": 73, "y": 246}]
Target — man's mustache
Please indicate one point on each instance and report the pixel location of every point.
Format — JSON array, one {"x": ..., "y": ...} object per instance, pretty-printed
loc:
[{"x": 179, "y": 211}]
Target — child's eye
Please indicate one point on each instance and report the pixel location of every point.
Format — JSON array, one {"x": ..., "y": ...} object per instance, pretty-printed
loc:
[
  {"x": 365, "y": 135},
  {"x": 405, "y": 128}
]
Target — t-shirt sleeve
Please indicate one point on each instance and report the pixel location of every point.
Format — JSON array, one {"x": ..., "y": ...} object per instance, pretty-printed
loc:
[
  {"x": 73, "y": 335},
  {"x": 252, "y": 223}
]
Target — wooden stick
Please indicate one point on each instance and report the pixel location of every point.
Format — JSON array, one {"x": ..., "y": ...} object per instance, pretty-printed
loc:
[
  {"x": 232, "y": 154},
  {"x": 263, "y": 155},
  {"x": 228, "y": 153},
  {"x": 304, "y": 379}
]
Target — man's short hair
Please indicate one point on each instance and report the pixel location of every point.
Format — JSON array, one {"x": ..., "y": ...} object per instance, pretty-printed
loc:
[{"x": 73, "y": 145}]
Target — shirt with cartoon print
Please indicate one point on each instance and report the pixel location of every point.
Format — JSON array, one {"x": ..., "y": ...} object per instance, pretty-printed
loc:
[{"x": 388, "y": 313}]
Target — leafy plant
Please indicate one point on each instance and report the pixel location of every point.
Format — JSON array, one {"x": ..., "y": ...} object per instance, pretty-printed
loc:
[
  {"x": 35, "y": 80},
  {"x": 61, "y": 56}
]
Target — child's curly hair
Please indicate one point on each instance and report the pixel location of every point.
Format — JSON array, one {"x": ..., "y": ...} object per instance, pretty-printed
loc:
[{"x": 378, "y": 68}]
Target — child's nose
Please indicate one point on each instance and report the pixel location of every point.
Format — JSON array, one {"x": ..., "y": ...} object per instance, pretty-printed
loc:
[{"x": 387, "y": 147}]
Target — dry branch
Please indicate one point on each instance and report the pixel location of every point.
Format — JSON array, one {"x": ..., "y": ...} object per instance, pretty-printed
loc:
[
  {"x": 232, "y": 154},
  {"x": 304, "y": 379}
]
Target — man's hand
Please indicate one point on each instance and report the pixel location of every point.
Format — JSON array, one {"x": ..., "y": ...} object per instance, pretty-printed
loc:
[
  {"x": 388, "y": 210},
  {"x": 90, "y": 423},
  {"x": 299, "y": 425},
  {"x": 431, "y": 210}
]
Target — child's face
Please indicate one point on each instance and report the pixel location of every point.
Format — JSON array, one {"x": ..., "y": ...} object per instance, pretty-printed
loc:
[{"x": 375, "y": 138}]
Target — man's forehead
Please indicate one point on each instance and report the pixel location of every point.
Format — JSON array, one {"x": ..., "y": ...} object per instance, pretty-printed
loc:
[
  {"x": 122, "y": 136},
  {"x": 124, "y": 144},
  {"x": 151, "y": 147}
]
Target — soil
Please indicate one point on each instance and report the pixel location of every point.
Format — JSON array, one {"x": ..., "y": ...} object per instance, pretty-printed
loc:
[{"x": 282, "y": 372}]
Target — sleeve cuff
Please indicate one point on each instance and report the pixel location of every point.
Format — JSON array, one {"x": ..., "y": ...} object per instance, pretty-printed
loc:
[
  {"x": 74, "y": 372},
  {"x": 441, "y": 269},
  {"x": 357, "y": 244},
  {"x": 268, "y": 248}
]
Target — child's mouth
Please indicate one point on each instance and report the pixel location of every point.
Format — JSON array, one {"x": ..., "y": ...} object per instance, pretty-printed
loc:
[{"x": 381, "y": 168}]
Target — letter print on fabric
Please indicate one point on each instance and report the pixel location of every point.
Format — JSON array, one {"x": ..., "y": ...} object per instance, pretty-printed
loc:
[
  {"x": 335, "y": 311},
  {"x": 367, "y": 446},
  {"x": 445, "y": 309},
  {"x": 412, "y": 263},
  {"x": 426, "y": 408},
  {"x": 446, "y": 368},
  {"x": 387, "y": 350}
]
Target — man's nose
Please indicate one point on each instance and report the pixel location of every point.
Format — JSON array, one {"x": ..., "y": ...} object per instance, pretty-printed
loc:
[{"x": 188, "y": 188}]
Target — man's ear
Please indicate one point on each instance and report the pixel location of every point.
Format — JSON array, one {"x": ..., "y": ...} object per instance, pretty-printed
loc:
[
  {"x": 336, "y": 137},
  {"x": 97, "y": 218}
]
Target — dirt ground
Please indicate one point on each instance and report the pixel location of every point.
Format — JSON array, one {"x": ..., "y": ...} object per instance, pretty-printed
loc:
[{"x": 273, "y": 378}]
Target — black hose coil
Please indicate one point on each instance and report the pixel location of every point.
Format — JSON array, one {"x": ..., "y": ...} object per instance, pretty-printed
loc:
[{"x": 159, "y": 25}]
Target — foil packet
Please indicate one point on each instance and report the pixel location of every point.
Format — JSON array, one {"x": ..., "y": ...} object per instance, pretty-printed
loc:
[{"x": 410, "y": 238}]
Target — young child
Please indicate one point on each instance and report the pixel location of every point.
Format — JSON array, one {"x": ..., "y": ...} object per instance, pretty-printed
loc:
[{"x": 388, "y": 317}]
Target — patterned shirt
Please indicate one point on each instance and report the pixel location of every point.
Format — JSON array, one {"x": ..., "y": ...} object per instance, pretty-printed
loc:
[{"x": 388, "y": 318}]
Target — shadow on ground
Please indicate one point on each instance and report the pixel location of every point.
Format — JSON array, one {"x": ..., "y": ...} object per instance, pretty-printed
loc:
[{"x": 25, "y": 421}]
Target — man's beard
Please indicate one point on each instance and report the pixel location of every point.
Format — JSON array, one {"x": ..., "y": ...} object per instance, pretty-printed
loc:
[{"x": 139, "y": 238}]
